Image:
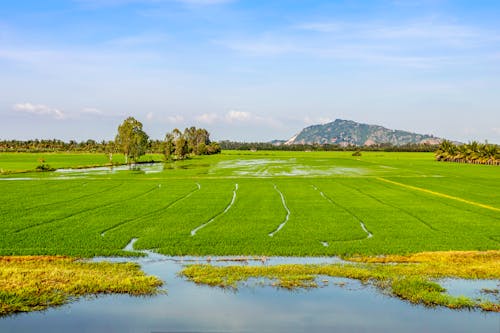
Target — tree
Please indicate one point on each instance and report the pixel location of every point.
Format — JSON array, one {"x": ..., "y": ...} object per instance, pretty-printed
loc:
[
  {"x": 131, "y": 140},
  {"x": 181, "y": 148},
  {"x": 169, "y": 146}
]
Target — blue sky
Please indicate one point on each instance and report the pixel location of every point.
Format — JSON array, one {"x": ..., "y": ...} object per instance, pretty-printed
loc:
[{"x": 248, "y": 70}]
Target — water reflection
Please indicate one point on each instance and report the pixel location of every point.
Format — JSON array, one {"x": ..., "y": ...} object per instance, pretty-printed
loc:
[
  {"x": 342, "y": 305},
  {"x": 142, "y": 167}
]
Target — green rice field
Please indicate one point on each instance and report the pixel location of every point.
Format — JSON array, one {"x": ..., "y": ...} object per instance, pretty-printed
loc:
[{"x": 251, "y": 203}]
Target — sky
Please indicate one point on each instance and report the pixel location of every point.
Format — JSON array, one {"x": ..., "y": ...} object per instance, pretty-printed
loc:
[{"x": 248, "y": 70}]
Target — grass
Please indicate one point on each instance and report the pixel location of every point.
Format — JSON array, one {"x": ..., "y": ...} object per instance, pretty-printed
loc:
[
  {"x": 34, "y": 283},
  {"x": 407, "y": 201},
  {"x": 375, "y": 209},
  {"x": 414, "y": 278},
  {"x": 11, "y": 163}
]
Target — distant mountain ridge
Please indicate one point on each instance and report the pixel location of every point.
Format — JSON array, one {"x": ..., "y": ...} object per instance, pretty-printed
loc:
[{"x": 348, "y": 132}]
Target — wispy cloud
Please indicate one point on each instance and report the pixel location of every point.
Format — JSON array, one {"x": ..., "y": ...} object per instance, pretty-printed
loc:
[
  {"x": 415, "y": 43},
  {"x": 207, "y": 118},
  {"x": 235, "y": 117},
  {"x": 414, "y": 29},
  {"x": 39, "y": 110},
  {"x": 241, "y": 116},
  {"x": 176, "y": 119}
]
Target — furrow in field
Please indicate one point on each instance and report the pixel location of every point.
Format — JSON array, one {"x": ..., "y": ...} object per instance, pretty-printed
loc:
[
  {"x": 195, "y": 230},
  {"x": 187, "y": 195},
  {"x": 477, "y": 204},
  {"x": 425, "y": 223},
  {"x": 361, "y": 223},
  {"x": 116, "y": 202},
  {"x": 287, "y": 212},
  {"x": 75, "y": 199}
]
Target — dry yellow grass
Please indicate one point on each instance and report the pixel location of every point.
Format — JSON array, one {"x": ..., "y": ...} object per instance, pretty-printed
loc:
[{"x": 463, "y": 264}]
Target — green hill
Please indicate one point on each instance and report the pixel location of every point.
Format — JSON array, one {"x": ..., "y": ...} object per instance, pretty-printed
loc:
[{"x": 348, "y": 132}]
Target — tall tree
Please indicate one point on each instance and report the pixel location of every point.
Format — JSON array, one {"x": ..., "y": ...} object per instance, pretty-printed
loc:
[
  {"x": 131, "y": 140},
  {"x": 169, "y": 146}
]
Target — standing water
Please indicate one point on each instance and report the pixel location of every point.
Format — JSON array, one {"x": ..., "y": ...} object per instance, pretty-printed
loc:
[{"x": 342, "y": 305}]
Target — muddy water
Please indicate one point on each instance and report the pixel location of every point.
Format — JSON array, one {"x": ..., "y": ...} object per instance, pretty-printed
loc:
[{"x": 342, "y": 305}]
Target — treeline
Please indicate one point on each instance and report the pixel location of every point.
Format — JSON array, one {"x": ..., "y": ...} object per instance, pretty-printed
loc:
[
  {"x": 131, "y": 140},
  {"x": 474, "y": 153},
  {"x": 54, "y": 145},
  {"x": 411, "y": 147}
]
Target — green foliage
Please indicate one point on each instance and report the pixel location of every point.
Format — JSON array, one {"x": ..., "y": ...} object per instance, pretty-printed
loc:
[
  {"x": 473, "y": 152},
  {"x": 131, "y": 140},
  {"x": 194, "y": 141},
  {"x": 328, "y": 194}
]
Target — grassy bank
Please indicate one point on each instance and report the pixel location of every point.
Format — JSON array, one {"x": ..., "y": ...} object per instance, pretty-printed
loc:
[
  {"x": 413, "y": 278},
  {"x": 35, "y": 283}
]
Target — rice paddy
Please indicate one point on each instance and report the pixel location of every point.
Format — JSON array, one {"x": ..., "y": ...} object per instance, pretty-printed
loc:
[
  {"x": 244, "y": 203},
  {"x": 380, "y": 206}
]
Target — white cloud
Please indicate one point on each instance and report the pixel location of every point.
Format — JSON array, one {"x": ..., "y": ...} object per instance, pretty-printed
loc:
[
  {"x": 149, "y": 116},
  {"x": 238, "y": 116},
  {"x": 40, "y": 110},
  {"x": 175, "y": 119},
  {"x": 207, "y": 118}
]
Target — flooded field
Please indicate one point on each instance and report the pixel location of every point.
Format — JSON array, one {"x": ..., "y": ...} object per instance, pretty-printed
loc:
[
  {"x": 340, "y": 305},
  {"x": 308, "y": 207}
]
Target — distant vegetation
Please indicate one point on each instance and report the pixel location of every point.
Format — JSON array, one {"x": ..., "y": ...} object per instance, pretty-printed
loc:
[
  {"x": 279, "y": 146},
  {"x": 474, "y": 153},
  {"x": 130, "y": 140}
]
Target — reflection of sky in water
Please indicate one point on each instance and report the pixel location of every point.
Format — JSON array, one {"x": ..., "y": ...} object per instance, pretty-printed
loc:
[
  {"x": 144, "y": 167},
  {"x": 282, "y": 168},
  {"x": 188, "y": 307},
  {"x": 470, "y": 288}
]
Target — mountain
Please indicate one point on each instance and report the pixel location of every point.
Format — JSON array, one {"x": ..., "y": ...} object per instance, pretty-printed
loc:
[{"x": 348, "y": 132}]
